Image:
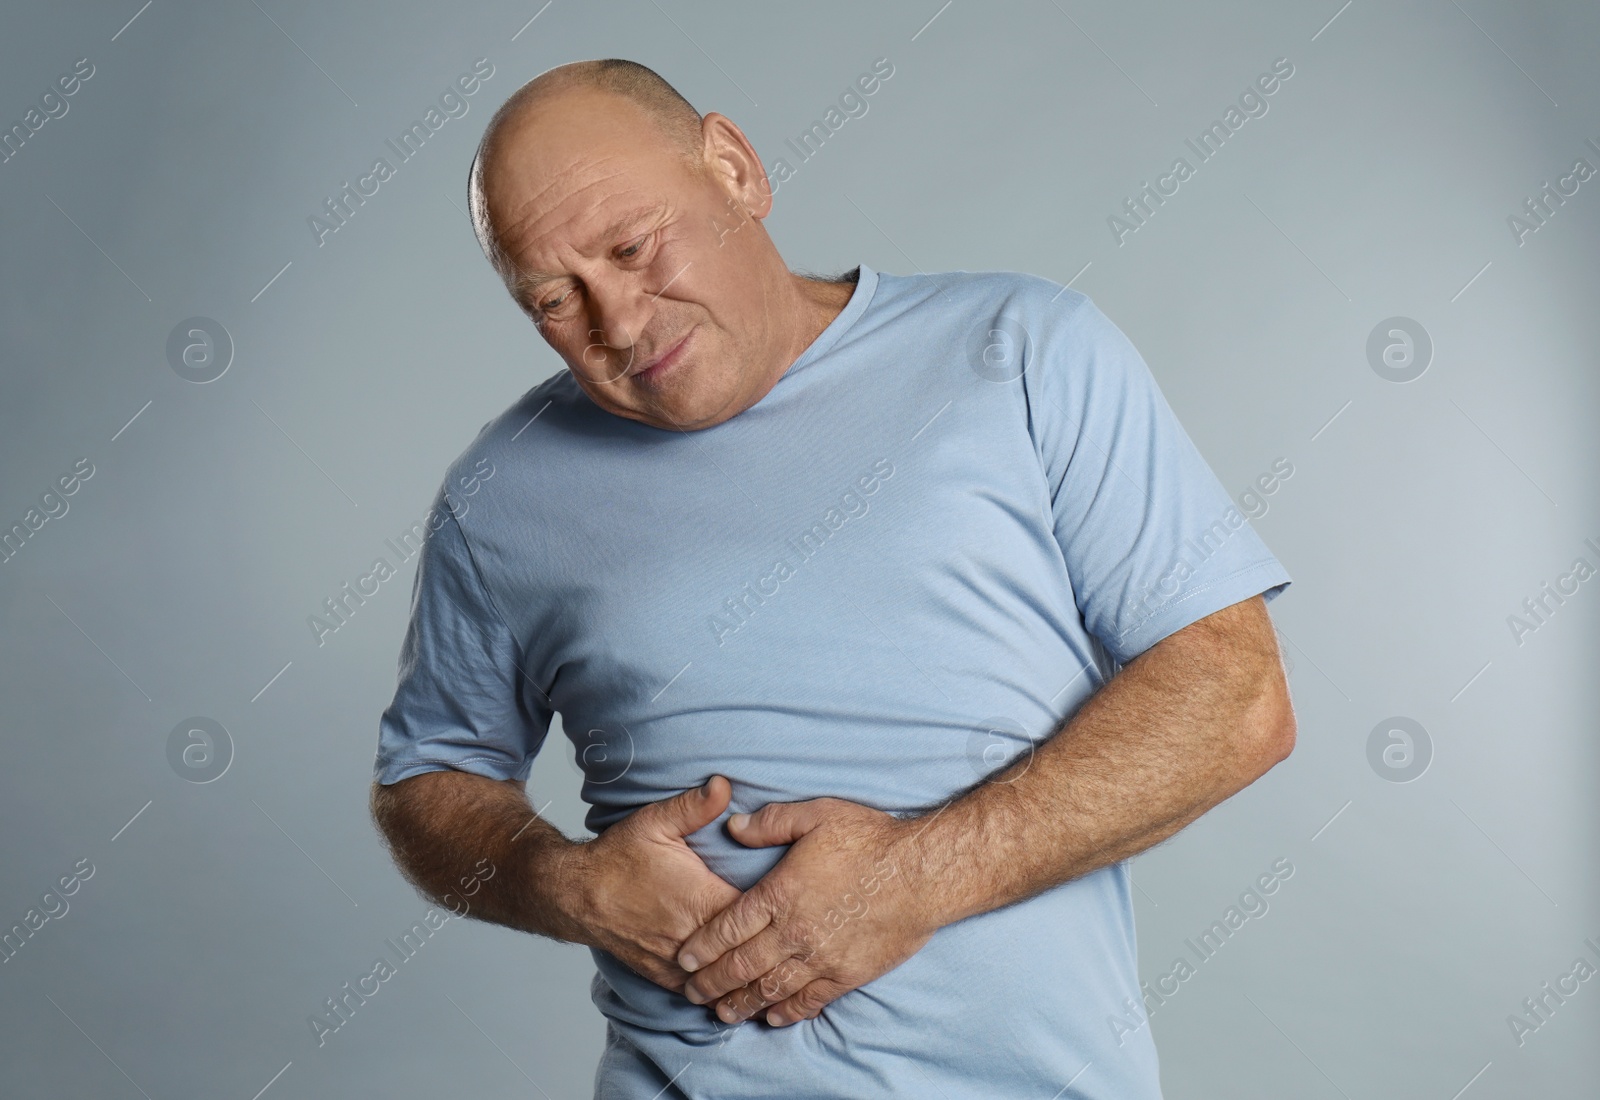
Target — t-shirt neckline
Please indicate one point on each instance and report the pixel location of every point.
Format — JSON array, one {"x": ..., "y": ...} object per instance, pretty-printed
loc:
[{"x": 860, "y": 298}]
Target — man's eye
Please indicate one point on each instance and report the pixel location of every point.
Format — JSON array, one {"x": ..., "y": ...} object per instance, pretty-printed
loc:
[
  {"x": 553, "y": 303},
  {"x": 632, "y": 250}
]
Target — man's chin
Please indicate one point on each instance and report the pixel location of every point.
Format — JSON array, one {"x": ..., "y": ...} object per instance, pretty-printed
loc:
[{"x": 685, "y": 412}]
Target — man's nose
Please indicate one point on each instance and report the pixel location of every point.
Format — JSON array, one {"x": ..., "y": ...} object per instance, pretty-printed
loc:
[{"x": 618, "y": 314}]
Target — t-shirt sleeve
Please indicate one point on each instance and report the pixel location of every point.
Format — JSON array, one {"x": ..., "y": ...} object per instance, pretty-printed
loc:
[
  {"x": 1152, "y": 540},
  {"x": 458, "y": 703}
]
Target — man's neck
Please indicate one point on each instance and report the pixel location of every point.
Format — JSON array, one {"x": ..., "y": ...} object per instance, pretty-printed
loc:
[
  {"x": 827, "y": 299},
  {"x": 820, "y": 301}
]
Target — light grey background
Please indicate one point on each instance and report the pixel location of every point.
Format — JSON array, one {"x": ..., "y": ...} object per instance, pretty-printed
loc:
[{"x": 1418, "y": 518}]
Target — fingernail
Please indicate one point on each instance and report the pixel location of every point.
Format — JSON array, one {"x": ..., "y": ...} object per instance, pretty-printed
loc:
[
  {"x": 689, "y": 963},
  {"x": 693, "y": 995},
  {"x": 776, "y": 1018},
  {"x": 738, "y": 821},
  {"x": 729, "y": 1014}
]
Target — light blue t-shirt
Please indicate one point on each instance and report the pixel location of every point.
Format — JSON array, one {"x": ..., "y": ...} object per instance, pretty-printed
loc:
[{"x": 952, "y": 519}]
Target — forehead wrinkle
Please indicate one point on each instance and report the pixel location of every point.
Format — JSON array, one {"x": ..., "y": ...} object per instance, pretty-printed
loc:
[
  {"x": 589, "y": 161},
  {"x": 521, "y": 215},
  {"x": 643, "y": 208}
]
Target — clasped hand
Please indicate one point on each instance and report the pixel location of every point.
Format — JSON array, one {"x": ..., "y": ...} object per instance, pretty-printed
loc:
[
  {"x": 839, "y": 909},
  {"x": 835, "y": 912}
]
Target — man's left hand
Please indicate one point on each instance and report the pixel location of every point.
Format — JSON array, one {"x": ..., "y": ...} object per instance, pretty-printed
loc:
[{"x": 839, "y": 909}]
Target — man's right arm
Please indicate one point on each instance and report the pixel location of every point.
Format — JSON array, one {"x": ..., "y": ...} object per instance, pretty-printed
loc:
[
  {"x": 439, "y": 824},
  {"x": 636, "y": 891}
]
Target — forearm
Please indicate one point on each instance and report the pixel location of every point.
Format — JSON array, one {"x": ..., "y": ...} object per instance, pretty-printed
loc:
[
  {"x": 440, "y": 825},
  {"x": 1187, "y": 724}
]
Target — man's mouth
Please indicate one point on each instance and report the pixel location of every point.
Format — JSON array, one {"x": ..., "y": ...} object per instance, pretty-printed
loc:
[{"x": 664, "y": 362}]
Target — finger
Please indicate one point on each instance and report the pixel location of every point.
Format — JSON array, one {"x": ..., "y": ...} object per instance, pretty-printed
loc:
[
  {"x": 776, "y": 986},
  {"x": 806, "y": 1004},
  {"x": 727, "y": 930},
  {"x": 744, "y": 964},
  {"x": 694, "y": 809},
  {"x": 777, "y": 823}
]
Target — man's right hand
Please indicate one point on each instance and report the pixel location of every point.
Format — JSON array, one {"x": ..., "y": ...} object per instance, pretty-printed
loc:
[{"x": 639, "y": 891}]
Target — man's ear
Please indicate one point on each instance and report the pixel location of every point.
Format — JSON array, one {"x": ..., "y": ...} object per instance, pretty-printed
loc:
[{"x": 732, "y": 160}]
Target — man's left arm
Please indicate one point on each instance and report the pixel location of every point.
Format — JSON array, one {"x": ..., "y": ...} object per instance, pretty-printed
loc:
[{"x": 1189, "y": 722}]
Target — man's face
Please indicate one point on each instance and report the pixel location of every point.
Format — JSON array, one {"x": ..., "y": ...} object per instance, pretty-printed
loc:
[{"x": 633, "y": 259}]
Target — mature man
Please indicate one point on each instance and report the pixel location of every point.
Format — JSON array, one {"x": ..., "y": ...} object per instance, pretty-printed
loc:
[{"x": 888, "y": 616}]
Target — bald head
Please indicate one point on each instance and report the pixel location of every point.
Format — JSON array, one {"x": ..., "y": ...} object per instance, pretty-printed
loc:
[
  {"x": 670, "y": 117},
  {"x": 627, "y": 227}
]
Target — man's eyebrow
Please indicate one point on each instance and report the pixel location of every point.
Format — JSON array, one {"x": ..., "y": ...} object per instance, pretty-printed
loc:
[{"x": 526, "y": 281}]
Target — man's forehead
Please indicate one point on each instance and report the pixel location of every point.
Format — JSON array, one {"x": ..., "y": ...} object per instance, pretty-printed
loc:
[
  {"x": 582, "y": 202},
  {"x": 588, "y": 234},
  {"x": 564, "y": 141},
  {"x": 591, "y": 198}
]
